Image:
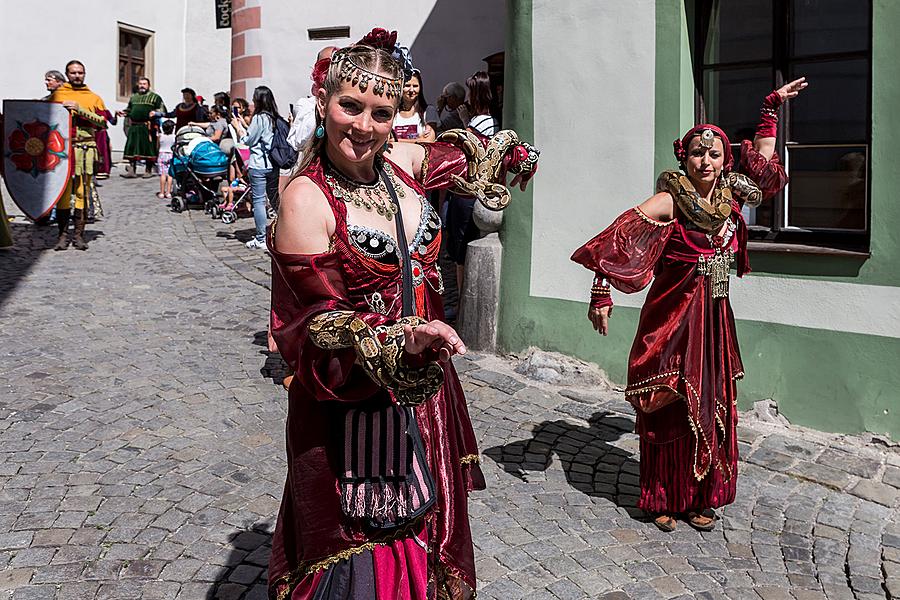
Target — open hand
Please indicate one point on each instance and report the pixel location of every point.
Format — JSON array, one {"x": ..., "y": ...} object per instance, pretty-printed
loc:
[
  {"x": 792, "y": 89},
  {"x": 436, "y": 335},
  {"x": 599, "y": 318},
  {"x": 70, "y": 104}
]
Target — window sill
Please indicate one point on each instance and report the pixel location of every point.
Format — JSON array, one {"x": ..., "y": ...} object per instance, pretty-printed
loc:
[{"x": 781, "y": 248}]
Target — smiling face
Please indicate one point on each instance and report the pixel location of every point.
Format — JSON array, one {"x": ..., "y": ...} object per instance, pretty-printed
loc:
[
  {"x": 411, "y": 90},
  {"x": 704, "y": 164},
  {"x": 357, "y": 124}
]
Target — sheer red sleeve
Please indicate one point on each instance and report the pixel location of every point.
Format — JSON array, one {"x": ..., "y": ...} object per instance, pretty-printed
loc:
[
  {"x": 304, "y": 286},
  {"x": 441, "y": 161},
  {"x": 769, "y": 175},
  {"x": 626, "y": 252}
]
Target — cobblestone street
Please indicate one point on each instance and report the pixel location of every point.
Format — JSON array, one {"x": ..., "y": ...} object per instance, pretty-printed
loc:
[{"x": 142, "y": 447}]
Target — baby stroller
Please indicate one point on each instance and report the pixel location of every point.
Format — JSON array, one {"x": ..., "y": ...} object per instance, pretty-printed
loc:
[
  {"x": 198, "y": 166},
  {"x": 234, "y": 202},
  {"x": 236, "y": 193}
]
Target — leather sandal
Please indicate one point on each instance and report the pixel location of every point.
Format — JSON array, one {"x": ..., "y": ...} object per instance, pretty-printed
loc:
[
  {"x": 701, "y": 522},
  {"x": 665, "y": 523}
]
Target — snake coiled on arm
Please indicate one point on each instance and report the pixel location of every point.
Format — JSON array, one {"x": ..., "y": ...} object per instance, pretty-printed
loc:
[
  {"x": 484, "y": 170},
  {"x": 379, "y": 351}
]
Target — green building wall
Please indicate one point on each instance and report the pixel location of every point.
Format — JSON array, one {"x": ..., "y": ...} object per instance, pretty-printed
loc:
[{"x": 829, "y": 380}]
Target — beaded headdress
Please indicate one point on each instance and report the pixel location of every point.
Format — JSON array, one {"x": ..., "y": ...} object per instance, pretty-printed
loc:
[{"x": 350, "y": 71}]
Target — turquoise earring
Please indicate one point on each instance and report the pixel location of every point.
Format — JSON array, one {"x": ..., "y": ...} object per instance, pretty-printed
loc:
[{"x": 320, "y": 131}]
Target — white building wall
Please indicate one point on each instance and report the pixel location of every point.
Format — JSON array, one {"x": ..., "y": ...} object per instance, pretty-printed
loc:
[
  {"x": 594, "y": 115},
  {"x": 187, "y": 50},
  {"x": 448, "y": 39}
]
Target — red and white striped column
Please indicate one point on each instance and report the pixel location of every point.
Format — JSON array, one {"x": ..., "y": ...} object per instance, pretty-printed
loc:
[{"x": 246, "y": 58}]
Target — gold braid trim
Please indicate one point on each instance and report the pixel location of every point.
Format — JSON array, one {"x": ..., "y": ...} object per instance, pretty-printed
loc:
[
  {"x": 380, "y": 352},
  {"x": 423, "y": 168},
  {"x": 286, "y": 583},
  {"x": 644, "y": 216},
  {"x": 469, "y": 459}
]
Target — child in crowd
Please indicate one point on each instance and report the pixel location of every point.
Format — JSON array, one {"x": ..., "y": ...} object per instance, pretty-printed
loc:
[{"x": 166, "y": 140}]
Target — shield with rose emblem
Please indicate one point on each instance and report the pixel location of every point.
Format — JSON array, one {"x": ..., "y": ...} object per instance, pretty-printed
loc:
[{"x": 36, "y": 148}]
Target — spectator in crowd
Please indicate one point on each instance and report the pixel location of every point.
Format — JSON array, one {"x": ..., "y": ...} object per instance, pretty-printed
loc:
[
  {"x": 166, "y": 141},
  {"x": 52, "y": 80},
  {"x": 223, "y": 101},
  {"x": 480, "y": 102},
  {"x": 141, "y": 143},
  {"x": 415, "y": 121},
  {"x": 187, "y": 110},
  {"x": 217, "y": 129},
  {"x": 241, "y": 108},
  {"x": 303, "y": 123},
  {"x": 453, "y": 97},
  {"x": 263, "y": 176},
  {"x": 460, "y": 226}
]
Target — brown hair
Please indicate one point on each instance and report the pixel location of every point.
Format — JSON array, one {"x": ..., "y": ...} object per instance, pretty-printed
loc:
[
  {"x": 480, "y": 96},
  {"x": 366, "y": 57}
]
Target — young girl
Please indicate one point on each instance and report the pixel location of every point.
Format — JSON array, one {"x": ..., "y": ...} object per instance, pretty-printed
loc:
[{"x": 166, "y": 140}]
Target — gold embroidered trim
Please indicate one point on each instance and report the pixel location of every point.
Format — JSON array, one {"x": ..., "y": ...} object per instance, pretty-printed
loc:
[
  {"x": 469, "y": 458},
  {"x": 288, "y": 582},
  {"x": 654, "y": 378},
  {"x": 650, "y": 220},
  {"x": 423, "y": 168}
]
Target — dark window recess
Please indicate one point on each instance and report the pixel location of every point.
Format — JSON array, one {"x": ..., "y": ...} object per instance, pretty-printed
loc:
[
  {"x": 328, "y": 33},
  {"x": 132, "y": 60},
  {"x": 750, "y": 47}
]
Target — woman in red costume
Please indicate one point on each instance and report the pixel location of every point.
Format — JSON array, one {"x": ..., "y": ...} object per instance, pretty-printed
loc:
[
  {"x": 381, "y": 452},
  {"x": 685, "y": 359}
]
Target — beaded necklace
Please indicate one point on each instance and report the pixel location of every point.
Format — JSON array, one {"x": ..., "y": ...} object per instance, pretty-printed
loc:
[{"x": 369, "y": 196}]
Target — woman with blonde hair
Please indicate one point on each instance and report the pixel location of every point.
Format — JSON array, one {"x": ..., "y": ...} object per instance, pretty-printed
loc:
[{"x": 381, "y": 452}]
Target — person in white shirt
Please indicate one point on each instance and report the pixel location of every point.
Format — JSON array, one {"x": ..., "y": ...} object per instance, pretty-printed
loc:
[
  {"x": 480, "y": 98},
  {"x": 416, "y": 119}
]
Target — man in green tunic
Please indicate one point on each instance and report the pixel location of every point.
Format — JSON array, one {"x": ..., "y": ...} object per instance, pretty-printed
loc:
[{"x": 141, "y": 141}]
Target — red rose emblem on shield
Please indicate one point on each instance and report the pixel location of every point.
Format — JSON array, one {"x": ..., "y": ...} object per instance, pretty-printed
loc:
[{"x": 36, "y": 147}]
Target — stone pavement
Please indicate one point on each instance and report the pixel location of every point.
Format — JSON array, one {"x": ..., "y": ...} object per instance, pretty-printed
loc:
[{"x": 141, "y": 448}]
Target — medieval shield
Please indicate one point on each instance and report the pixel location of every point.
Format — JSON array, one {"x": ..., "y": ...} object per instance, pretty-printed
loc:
[{"x": 37, "y": 150}]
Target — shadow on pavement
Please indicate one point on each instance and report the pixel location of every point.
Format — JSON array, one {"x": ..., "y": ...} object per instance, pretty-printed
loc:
[
  {"x": 245, "y": 573},
  {"x": 30, "y": 241},
  {"x": 592, "y": 464},
  {"x": 242, "y": 235},
  {"x": 274, "y": 367}
]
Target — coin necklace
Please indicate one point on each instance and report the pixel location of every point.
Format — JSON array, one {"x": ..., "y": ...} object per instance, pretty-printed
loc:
[{"x": 369, "y": 196}]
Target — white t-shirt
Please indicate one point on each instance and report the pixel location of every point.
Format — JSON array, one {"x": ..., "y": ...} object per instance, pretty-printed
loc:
[
  {"x": 409, "y": 128},
  {"x": 486, "y": 125},
  {"x": 304, "y": 123},
  {"x": 166, "y": 141}
]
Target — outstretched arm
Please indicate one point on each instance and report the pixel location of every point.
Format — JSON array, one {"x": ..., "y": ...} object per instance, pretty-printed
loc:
[{"x": 764, "y": 142}]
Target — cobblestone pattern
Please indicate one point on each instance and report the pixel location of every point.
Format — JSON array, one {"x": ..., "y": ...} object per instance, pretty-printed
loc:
[{"x": 141, "y": 448}]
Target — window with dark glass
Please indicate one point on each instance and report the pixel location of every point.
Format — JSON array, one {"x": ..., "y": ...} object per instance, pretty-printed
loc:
[
  {"x": 132, "y": 60},
  {"x": 747, "y": 48}
]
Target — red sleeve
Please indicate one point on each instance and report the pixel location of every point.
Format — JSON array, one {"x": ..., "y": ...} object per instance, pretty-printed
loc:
[
  {"x": 769, "y": 175},
  {"x": 304, "y": 286},
  {"x": 441, "y": 161},
  {"x": 626, "y": 252}
]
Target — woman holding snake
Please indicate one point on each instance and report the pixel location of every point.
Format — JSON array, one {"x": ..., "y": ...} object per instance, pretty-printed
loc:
[
  {"x": 685, "y": 359},
  {"x": 381, "y": 452}
]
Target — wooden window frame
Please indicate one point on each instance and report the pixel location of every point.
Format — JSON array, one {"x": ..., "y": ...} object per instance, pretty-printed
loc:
[
  {"x": 148, "y": 56},
  {"x": 777, "y": 234}
]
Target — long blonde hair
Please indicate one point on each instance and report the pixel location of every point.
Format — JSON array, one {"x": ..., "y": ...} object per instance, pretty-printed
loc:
[{"x": 371, "y": 59}]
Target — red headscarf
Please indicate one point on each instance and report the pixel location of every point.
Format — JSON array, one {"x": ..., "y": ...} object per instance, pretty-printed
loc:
[{"x": 681, "y": 146}]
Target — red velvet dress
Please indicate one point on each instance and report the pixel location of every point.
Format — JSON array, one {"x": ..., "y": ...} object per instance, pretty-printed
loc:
[
  {"x": 685, "y": 343},
  {"x": 317, "y": 551}
]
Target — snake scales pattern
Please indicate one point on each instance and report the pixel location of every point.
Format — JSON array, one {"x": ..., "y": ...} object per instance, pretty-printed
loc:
[
  {"x": 485, "y": 165},
  {"x": 379, "y": 351}
]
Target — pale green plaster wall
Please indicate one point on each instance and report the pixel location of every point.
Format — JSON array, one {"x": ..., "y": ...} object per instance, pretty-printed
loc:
[{"x": 828, "y": 380}]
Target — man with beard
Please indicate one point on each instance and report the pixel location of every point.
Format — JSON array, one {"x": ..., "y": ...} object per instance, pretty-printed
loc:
[
  {"x": 141, "y": 141},
  {"x": 86, "y": 108}
]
